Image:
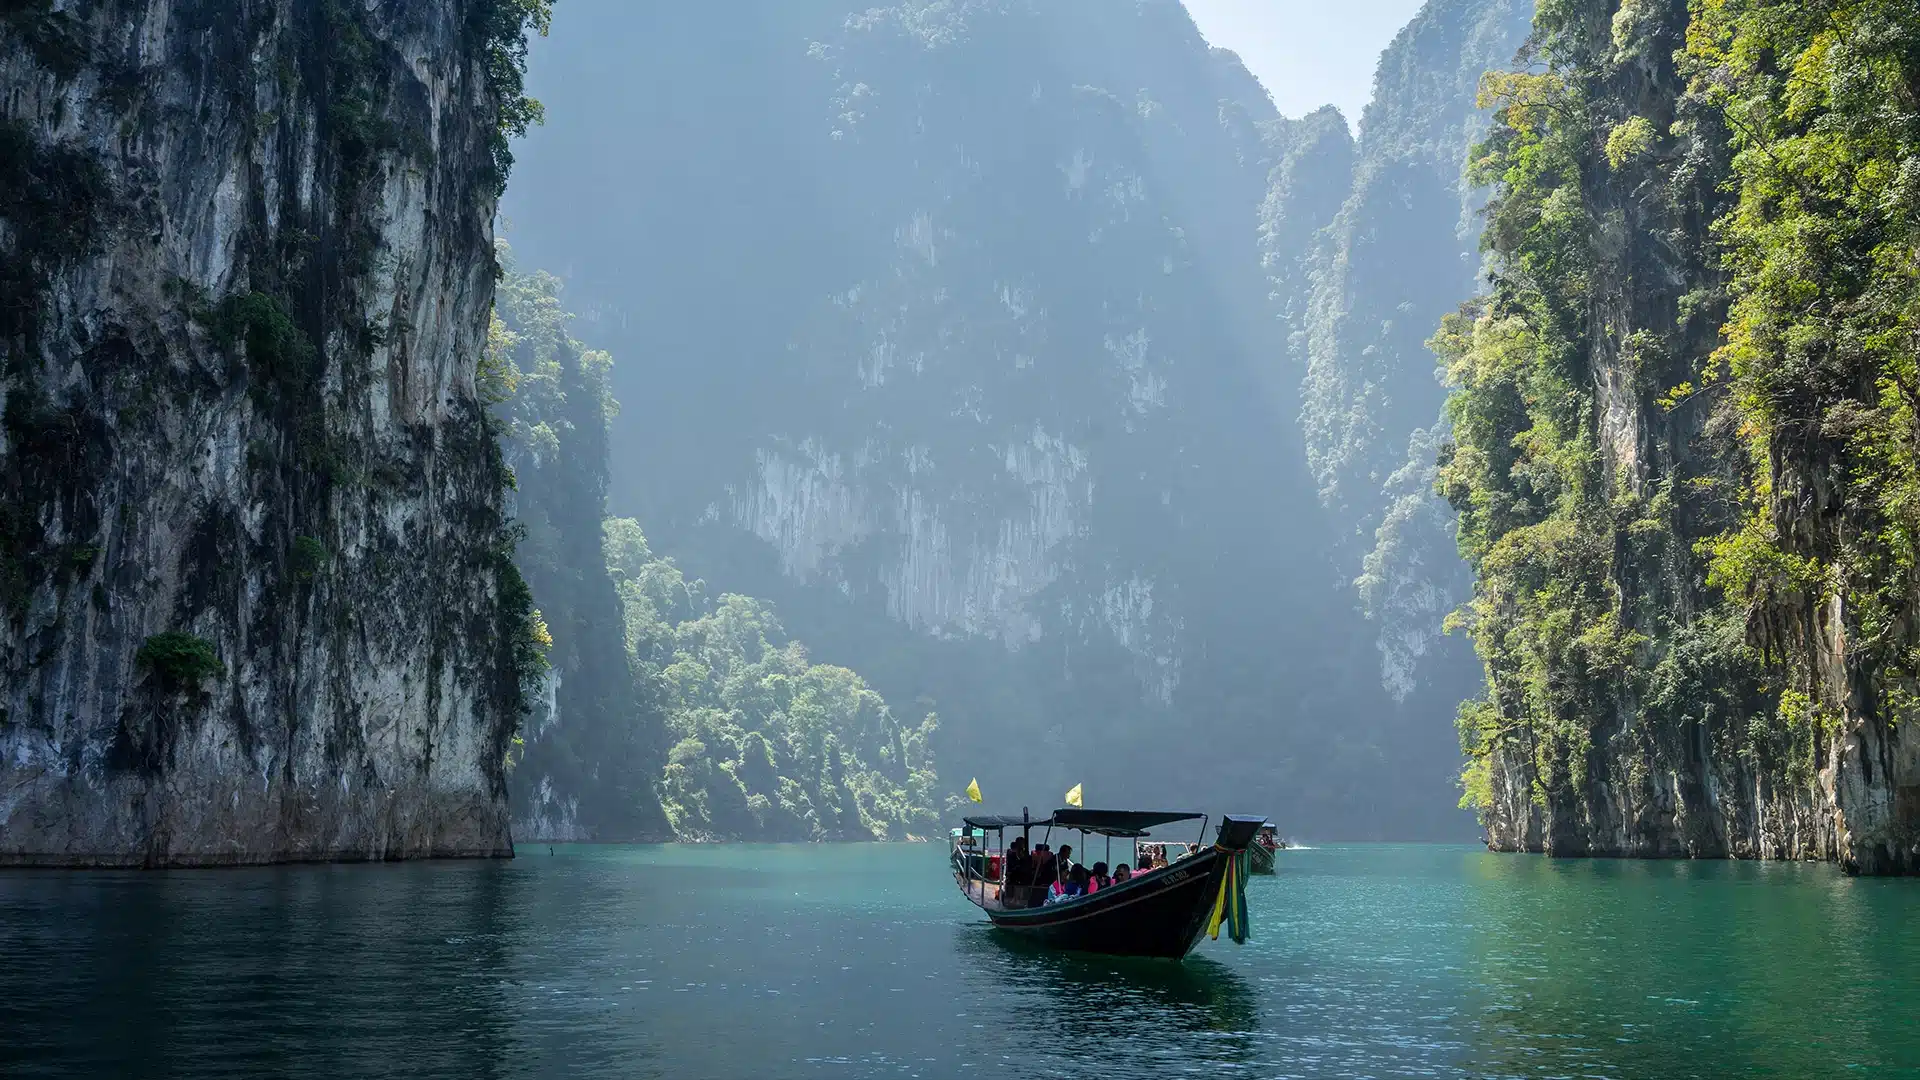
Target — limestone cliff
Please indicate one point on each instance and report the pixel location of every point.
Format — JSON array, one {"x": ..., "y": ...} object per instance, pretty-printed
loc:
[
  {"x": 1682, "y": 437},
  {"x": 1401, "y": 252},
  {"x": 258, "y": 601}
]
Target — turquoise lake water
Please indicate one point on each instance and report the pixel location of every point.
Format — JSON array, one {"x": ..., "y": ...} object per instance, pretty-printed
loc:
[{"x": 863, "y": 961}]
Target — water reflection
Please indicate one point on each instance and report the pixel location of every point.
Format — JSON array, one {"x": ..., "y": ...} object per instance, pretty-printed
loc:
[
  {"x": 817, "y": 963},
  {"x": 1736, "y": 969},
  {"x": 297, "y": 972},
  {"x": 1144, "y": 1008}
]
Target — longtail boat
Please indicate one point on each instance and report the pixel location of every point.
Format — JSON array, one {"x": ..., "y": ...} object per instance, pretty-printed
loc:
[
  {"x": 1265, "y": 843},
  {"x": 1162, "y": 912}
]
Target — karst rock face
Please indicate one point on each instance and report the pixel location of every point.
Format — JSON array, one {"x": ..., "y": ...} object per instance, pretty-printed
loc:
[
  {"x": 258, "y": 604},
  {"x": 1401, "y": 253},
  {"x": 1698, "y": 636},
  {"x": 971, "y": 321}
]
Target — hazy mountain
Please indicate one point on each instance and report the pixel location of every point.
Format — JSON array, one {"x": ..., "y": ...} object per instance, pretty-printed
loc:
[{"x": 961, "y": 332}]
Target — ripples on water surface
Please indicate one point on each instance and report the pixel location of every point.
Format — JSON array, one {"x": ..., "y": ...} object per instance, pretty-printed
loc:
[{"x": 855, "y": 961}]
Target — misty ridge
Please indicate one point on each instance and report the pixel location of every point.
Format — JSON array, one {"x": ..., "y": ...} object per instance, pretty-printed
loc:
[{"x": 1024, "y": 360}]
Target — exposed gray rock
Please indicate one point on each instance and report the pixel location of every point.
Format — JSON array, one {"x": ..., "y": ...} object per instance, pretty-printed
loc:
[
  {"x": 1402, "y": 252},
  {"x": 257, "y": 599}
]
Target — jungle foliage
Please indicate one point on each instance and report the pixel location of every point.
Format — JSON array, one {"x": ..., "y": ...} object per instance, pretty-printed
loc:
[
  {"x": 661, "y": 698},
  {"x": 1822, "y": 349},
  {"x": 501, "y": 28},
  {"x": 1704, "y": 271},
  {"x": 586, "y": 761},
  {"x": 766, "y": 743},
  {"x": 1684, "y": 415}
]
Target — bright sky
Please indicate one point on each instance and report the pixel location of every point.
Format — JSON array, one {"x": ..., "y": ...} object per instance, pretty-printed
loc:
[{"x": 1307, "y": 53}]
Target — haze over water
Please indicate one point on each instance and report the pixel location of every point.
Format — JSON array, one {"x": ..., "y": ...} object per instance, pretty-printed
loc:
[{"x": 862, "y": 961}]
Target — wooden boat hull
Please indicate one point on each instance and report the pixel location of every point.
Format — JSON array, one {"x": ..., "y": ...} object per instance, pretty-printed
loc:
[
  {"x": 1260, "y": 859},
  {"x": 1161, "y": 914}
]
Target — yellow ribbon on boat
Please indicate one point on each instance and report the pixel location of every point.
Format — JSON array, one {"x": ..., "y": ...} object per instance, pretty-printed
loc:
[
  {"x": 1230, "y": 905},
  {"x": 973, "y": 790},
  {"x": 1219, "y": 907}
]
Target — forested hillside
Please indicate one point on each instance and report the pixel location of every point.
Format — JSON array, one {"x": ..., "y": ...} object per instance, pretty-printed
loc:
[
  {"x": 767, "y": 744},
  {"x": 1685, "y": 430},
  {"x": 663, "y": 712}
]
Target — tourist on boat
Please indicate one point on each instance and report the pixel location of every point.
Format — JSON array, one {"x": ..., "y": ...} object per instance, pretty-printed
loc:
[
  {"x": 1082, "y": 882},
  {"x": 1066, "y": 860},
  {"x": 1018, "y": 873},
  {"x": 1069, "y": 886},
  {"x": 1099, "y": 879},
  {"x": 1064, "y": 890},
  {"x": 1019, "y": 862},
  {"x": 1122, "y": 875},
  {"x": 1046, "y": 873}
]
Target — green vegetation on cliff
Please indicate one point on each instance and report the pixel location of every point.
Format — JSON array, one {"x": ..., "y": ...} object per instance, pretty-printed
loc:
[
  {"x": 501, "y": 27},
  {"x": 657, "y": 697},
  {"x": 591, "y": 747},
  {"x": 767, "y": 744},
  {"x": 1684, "y": 436},
  {"x": 1823, "y": 339}
]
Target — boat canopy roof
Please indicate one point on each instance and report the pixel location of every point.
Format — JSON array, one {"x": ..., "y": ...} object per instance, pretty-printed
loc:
[
  {"x": 1101, "y": 822},
  {"x": 1118, "y": 822},
  {"x": 1003, "y": 821}
]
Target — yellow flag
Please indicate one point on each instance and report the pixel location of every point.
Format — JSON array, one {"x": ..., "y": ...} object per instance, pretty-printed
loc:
[
  {"x": 973, "y": 790},
  {"x": 1073, "y": 796}
]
